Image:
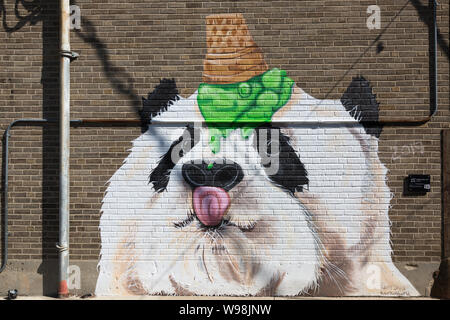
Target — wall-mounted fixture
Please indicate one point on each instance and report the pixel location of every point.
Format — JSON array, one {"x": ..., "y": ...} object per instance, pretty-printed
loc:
[{"x": 417, "y": 184}]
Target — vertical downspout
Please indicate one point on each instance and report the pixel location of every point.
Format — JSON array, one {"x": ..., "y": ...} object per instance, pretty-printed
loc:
[
  {"x": 432, "y": 6},
  {"x": 64, "y": 149},
  {"x": 441, "y": 285}
]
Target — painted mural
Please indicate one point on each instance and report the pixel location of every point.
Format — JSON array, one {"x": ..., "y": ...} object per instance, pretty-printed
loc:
[{"x": 260, "y": 190}]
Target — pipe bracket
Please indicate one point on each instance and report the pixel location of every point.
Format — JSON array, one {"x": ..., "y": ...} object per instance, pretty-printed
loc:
[
  {"x": 72, "y": 55},
  {"x": 61, "y": 248}
]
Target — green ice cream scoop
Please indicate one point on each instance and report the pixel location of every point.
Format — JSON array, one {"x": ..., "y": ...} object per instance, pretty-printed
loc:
[{"x": 244, "y": 105}]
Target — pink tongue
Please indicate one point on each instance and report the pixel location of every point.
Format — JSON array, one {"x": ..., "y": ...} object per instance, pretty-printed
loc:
[{"x": 210, "y": 204}]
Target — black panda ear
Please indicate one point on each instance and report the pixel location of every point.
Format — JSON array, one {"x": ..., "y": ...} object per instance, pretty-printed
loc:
[
  {"x": 362, "y": 105},
  {"x": 164, "y": 95}
]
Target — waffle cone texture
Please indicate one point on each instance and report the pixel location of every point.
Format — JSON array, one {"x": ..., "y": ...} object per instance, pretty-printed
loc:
[{"x": 232, "y": 54}]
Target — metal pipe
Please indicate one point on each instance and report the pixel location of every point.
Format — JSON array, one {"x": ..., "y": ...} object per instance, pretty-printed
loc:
[
  {"x": 392, "y": 122},
  {"x": 64, "y": 149},
  {"x": 432, "y": 4},
  {"x": 6, "y": 137},
  {"x": 433, "y": 71}
]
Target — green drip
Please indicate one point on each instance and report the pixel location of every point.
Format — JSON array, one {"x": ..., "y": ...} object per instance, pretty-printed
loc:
[{"x": 244, "y": 105}]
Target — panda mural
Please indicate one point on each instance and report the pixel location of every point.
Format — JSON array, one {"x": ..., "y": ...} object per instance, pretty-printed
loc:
[{"x": 225, "y": 197}]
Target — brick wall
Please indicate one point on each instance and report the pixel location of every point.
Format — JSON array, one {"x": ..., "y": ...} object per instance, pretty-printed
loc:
[{"x": 127, "y": 47}]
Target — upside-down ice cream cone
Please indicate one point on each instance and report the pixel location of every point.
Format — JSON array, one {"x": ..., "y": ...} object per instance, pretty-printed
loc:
[{"x": 232, "y": 55}]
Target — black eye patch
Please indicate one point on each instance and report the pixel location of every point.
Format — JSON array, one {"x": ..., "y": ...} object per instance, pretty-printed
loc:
[
  {"x": 159, "y": 176},
  {"x": 291, "y": 174},
  {"x": 158, "y": 101}
]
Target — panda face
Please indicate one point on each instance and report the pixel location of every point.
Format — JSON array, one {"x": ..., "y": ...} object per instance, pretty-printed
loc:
[
  {"x": 213, "y": 177},
  {"x": 285, "y": 211},
  {"x": 214, "y": 222},
  {"x": 228, "y": 216}
]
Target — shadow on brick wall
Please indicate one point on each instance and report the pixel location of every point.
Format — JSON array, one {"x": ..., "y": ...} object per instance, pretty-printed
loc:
[
  {"x": 114, "y": 75},
  {"x": 34, "y": 14},
  {"x": 38, "y": 11},
  {"x": 425, "y": 17},
  {"x": 50, "y": 145},
  {"x": 46, "y": 12}
]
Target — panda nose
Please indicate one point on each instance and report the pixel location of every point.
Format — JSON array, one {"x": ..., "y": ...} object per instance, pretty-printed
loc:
[{"x": 223, "y": 174}]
